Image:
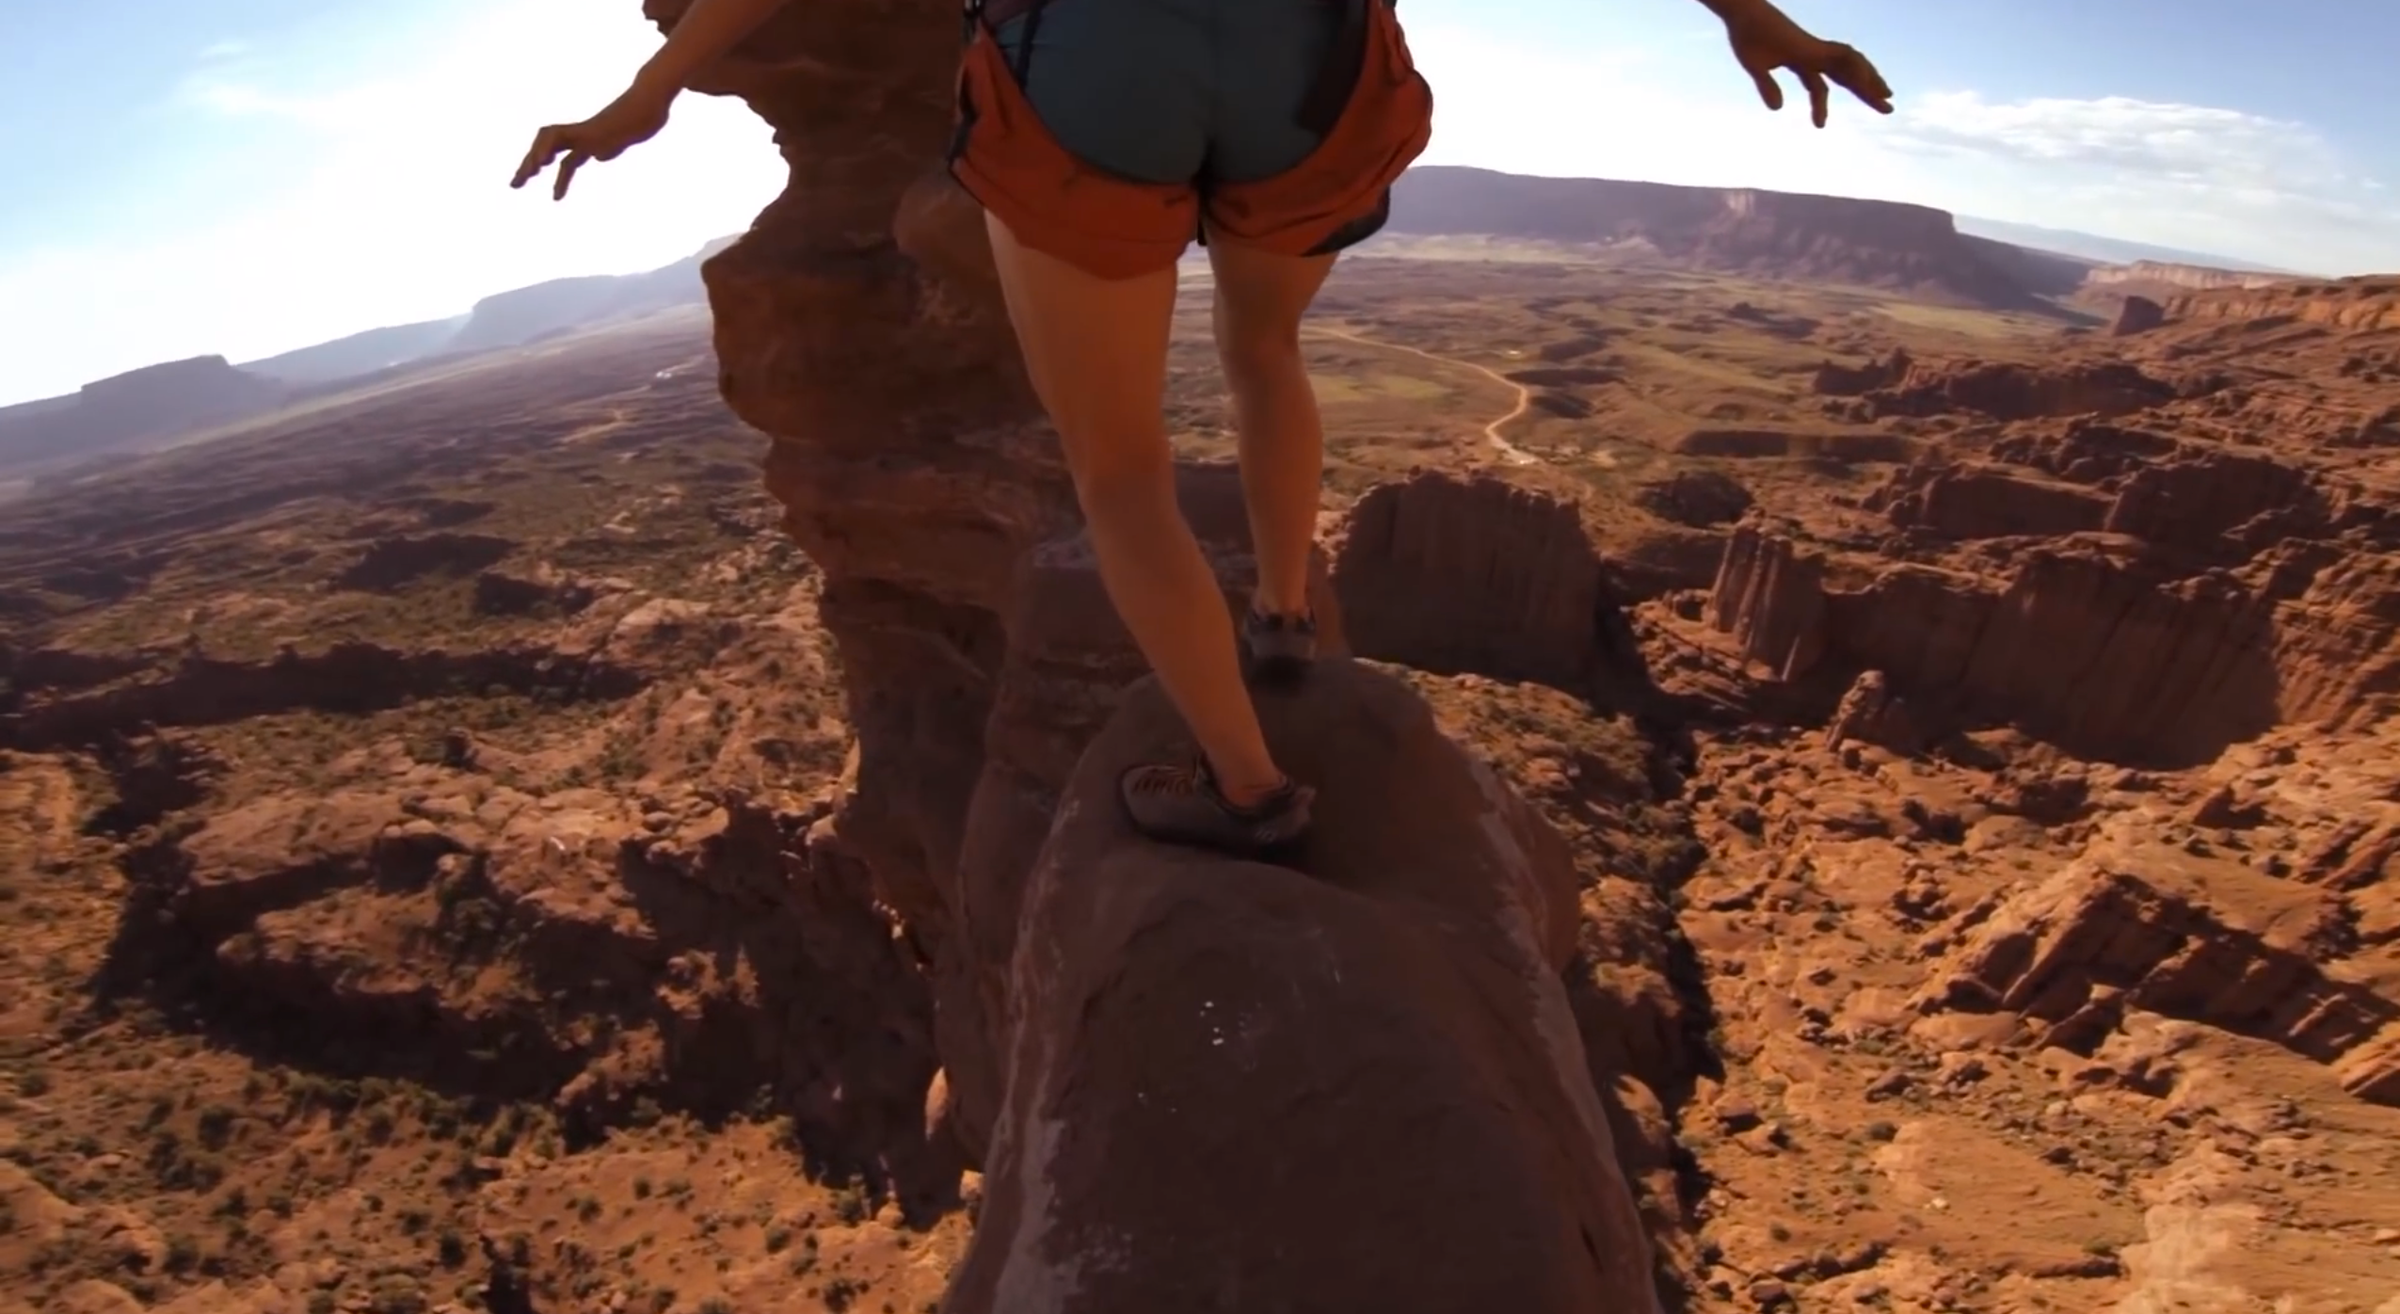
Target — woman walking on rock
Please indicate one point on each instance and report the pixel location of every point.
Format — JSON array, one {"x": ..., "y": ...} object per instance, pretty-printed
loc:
[{"x": 1102, "y": 137}]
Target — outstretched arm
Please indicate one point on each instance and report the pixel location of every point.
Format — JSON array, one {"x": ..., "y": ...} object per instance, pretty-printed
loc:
[
  {"x": 1765, "y": 39},
  {"x": 701, "y": 37}
]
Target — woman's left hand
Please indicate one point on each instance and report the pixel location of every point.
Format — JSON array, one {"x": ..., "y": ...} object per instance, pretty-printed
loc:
[{"x": 1764, "y": 39}]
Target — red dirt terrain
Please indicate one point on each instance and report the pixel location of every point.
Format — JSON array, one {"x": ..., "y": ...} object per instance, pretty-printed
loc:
[{"x": 1830, "y": 802}]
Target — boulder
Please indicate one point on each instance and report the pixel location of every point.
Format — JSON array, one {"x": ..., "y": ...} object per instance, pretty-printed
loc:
[{"x": 2139, "y": 314}]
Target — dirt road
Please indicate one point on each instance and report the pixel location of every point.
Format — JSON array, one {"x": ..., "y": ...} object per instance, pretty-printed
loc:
[{"x": 1509, "y": 452}]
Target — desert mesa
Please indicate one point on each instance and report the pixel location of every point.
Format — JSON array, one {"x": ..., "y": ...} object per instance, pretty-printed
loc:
[{"x": 1864, "y": 780}]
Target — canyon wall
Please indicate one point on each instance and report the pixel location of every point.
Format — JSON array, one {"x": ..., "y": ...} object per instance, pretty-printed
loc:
[{"x": 1781, "y": 234}]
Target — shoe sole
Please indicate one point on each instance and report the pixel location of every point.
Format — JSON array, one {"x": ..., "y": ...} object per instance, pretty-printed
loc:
[
  {"x": 1245, "y": 847},
  {"x": 1275, "y": 657}
]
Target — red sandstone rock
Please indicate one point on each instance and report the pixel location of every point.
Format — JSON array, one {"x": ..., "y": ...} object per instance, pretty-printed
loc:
[
  {"x": 1355, "y": 1084},
  {"x": 2083, "y": 450},
  {"x": 2218, "y": 504},
  {"x": 386, "y": 564},
  {"x": 2099, "y": 644},
  {"x": 1699, "y": 498},
  {"x": 458, "y": 930},
  {"x": 1476, "y": 575},
  {"x": 1772, "y": 598},
  {"x": 2372, "y": 1071},
  {"x": 2139, "y": 314},
  {"x": 2363, "y": 304},
  {"x": 1834, "y": 380},
  {"x": 2007, "y": 390},
  {"x": 1871, "y": 713},
  {"x": 1962, "y": 501},
  {"x": 2076, "y": 950}
]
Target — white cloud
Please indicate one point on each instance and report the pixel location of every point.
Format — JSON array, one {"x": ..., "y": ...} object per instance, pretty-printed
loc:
[
  {"x": 2114, "y": 130},
  {"x": 2193, "y": 176},
  {"x": 402, "y": 211},
  {"x": 2190, "y": 175}
]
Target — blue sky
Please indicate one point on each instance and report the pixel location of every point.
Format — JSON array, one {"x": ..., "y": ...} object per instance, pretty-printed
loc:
[{"x": 253, "y": 175}]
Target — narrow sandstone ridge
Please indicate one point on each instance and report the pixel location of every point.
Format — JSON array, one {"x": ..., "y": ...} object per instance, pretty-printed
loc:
[{"x": 1358, "y": 1084}]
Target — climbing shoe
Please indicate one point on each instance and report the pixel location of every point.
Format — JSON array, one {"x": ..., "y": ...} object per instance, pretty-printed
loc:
[
  {"x": 1280, "y": 647},
  {"x": 1181, "y": 804}
]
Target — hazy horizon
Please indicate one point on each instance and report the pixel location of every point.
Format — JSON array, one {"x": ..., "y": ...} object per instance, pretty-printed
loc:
[{"x": 271, "y": 174}]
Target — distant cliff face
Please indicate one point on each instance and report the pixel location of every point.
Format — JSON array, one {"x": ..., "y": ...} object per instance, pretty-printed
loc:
[
  {"x": 2358, "y": 305},
  {"x": 359, "y": 353},
  {"x": 125, "y": 410},
  {"x": 160, "y": 396},
  {"x": 1874, "y": 243},
  {"x": 2160, "y": 274},
  {"x": 511, "y": 318},
  {"x": 160, "y": 401}
]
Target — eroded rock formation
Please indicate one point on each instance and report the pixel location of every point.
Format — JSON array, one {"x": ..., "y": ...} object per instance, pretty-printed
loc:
[
  {"x": 2139, "y": 314},
  {"x": 2087, "y": 644},
  {"x": 2009, "y": 390},
  {"x": 2074, "y": 952},
  {"x": 1524, "y": 597},
  {"x": 2123, "y": 591},
  {"x": 2161, "y": 273},
  {"x": 2356, "y": 304},
  {"x": 859, "y": 324}
]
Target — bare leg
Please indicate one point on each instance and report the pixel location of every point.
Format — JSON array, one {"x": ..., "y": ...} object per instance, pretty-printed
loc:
[
  {"x": 1260, "y": 299},
  {"x": 1097, "y": 352}
]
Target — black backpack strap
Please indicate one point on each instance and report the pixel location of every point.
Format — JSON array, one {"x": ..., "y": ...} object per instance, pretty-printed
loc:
[
  {"x": 981, "y": 12},
  {"x": 963, "y": 119},
  {"x": 1033, "y": 23}
]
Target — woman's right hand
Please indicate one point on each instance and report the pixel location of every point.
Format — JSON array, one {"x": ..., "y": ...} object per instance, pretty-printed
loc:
[
  {"x": 1764, "y": 39},
  {"x": 631, "y": 118}
]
